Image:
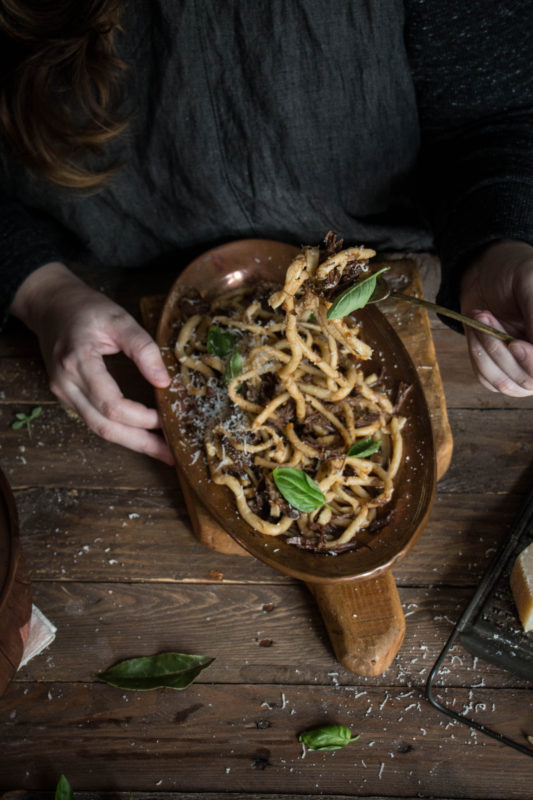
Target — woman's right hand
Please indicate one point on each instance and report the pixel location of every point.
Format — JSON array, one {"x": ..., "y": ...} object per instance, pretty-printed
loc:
[
  {"x": 497, "y": 289},
  {"x": 76, "y": 327}
]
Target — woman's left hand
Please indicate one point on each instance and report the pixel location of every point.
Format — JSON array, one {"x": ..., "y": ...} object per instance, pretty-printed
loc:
[{"x": 497, "y": 289}]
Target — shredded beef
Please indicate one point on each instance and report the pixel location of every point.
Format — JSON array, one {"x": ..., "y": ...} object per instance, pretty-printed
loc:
[
  {"x": 240, "y": 459},
  {"x": 266, "y": 495},
  {"x": 316, "y": 545},
  {"x": 324, "y": 451},
  {"x": 401, "y": 393},
  {"x": 303, "y": 542},
  {"x": 313, "y": 418},
  {"x": 192, "y": 303},
  {"x": 262, "y": 392},
  {"x": 380, "y": 522},
  {"x": 332, "y": 245},
  {"x": 284, "y": 414},
  {"x": 319, "y": 544},
  {"x": 337, "y": 280},
  {"x": 263, "y": 291},
  {"x": 366, "y": 419}
]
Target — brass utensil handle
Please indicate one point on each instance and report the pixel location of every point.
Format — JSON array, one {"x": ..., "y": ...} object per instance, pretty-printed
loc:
[
  {"x": 364, "y": 620},
  {"x": 447, "y": 312}
]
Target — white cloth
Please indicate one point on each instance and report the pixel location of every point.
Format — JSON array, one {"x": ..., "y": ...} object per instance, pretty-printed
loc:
[{"x": 41, "y": 634}]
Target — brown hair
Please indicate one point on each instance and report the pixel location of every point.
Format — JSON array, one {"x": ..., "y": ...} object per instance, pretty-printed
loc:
[{"x": 60, "y": 81}]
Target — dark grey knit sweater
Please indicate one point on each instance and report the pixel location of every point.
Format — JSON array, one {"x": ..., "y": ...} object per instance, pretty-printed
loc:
[{"x": 394, "y": 124}]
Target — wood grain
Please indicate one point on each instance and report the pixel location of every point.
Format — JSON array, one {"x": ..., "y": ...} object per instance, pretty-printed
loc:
[
  {"x": 223, "y": 737},
  {"x": 22, "y": 795},
  {"x": 145, "y": 535},
  {"x": 62, "y": 451},
  {"x": 257, "y": 633},
  {"x": 364, "y": 621},
  {"x": 106, "y": 532}
]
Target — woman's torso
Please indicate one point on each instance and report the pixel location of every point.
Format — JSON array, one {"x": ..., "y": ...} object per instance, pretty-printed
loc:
[{"x": 271, "y": 119}]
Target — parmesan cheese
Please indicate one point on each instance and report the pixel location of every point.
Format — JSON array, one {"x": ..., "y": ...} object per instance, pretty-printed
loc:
[{"x": 522, "y": 587}]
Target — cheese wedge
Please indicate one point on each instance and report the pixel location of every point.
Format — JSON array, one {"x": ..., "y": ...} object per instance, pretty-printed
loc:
[{"x": 522, "y": 587}]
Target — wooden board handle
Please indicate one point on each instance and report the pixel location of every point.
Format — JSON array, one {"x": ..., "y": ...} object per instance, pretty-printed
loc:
[{"x": 364, "y": 620}]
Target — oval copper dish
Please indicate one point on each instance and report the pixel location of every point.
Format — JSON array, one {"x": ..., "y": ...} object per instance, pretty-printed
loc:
[{"x": 246, "y": 262}]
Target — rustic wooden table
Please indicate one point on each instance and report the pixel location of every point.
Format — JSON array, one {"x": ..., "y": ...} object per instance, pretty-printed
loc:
[{"x": 115, "y": 567}]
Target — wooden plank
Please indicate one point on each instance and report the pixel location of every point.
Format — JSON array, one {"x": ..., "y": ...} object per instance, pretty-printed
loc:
[
  {"x": 492, "y": 453},
  {"x": 24, "y": 380},
  {"x": 232, "y": 738},
  {"x": 144, "y": 535},
  {"x": 192, "y": 796},
  {"x": 256, "y": 633},
  {"x": 62, "y": 451}
]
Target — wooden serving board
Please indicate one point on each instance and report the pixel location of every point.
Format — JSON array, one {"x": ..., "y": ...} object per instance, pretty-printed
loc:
[{"x": 364, "y": 619}]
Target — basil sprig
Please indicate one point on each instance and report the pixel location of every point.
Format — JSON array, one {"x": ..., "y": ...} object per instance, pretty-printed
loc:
[
  {"x": 233, "y": 367},
  {"x": 357, "y": 296},
  {"x": 364, "y": 448},
  {"x": 26, "y": 419},
  {"x": 164, "y": 670},
  {"x": 298, "y": 489},
  {"x": 63, "y": 790},
  {"x": 220, "y": 341},
  {"x": 330, "y": 737}
]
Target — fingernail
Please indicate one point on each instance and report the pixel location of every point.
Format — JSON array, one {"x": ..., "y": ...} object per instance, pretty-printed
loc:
[{"x": 162, "y": 376}]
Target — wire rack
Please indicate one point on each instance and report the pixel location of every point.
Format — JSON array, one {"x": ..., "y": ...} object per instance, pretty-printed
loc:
[{"x": 489, "y": 627}]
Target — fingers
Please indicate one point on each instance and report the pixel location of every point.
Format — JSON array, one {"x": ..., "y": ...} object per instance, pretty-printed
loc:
[
  {"x": 143, "y": 351},
  {"x": 137, "y": 439},
  {"x": 500, "y": 367},
  {"x": 522, "y": 352},
  {"x": 103, "y": 393},
  {"x": 77, "y": 327},
  {"x": 82, "y": 382}
]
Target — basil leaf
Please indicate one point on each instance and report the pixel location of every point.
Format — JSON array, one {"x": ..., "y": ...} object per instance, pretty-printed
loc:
[
  {"x": 171, "y": 670},
  {"x": 298, "y": 489},
  {"x": 21, "y": 415},
  {"x": 364, "y": 448},
  {"x": 64, "y": 790},
  {"x": 220, "y": 342},
  {"x": 233, "y": 367},
  {"x": 357, "y": 296},
  {"x": 36, "y": 412},
  {"x": 18, "y": 424},
  {"x": 331, "y": 737}
]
